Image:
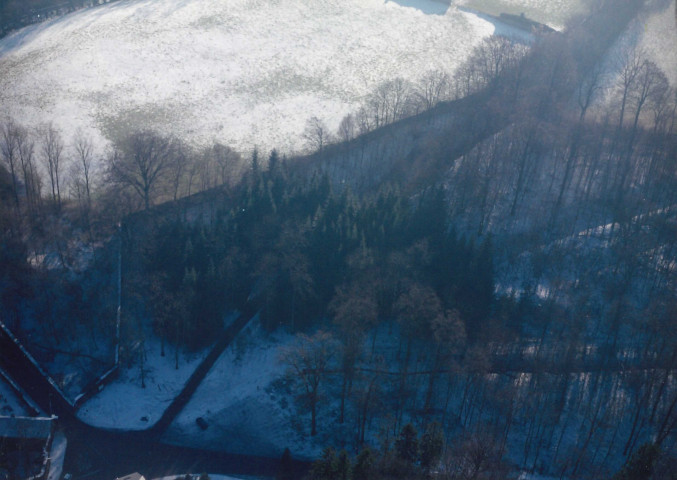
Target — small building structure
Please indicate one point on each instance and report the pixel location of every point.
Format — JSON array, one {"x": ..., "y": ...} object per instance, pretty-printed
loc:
[
  {"x": 132, "y": 476},
  {"x": 25, "y": 447}
]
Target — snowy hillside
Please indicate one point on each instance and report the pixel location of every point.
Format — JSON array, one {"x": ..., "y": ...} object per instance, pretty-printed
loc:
[
  {"x": 243, "y": 72},
  {"x": 658, "y": 36},
  {"x": 653, "y": 35},
  {"x": 551, "y": 12}
]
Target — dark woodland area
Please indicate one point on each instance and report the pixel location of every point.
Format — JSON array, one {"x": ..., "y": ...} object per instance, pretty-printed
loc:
[{"x": 483, "y": 285}]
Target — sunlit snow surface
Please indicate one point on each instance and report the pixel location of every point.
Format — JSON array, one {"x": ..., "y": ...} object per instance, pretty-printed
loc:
[
  {"x": 243, "y": 72},
  {"x": 653, "y": 34},
  {"x": 658, "y": 33}
]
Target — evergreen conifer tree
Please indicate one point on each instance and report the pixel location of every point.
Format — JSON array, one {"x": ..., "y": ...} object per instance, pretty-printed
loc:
[
  {"x": 364, "y": 465},
  {"x": 285, "y": 471},
  {"x": 640, "y": 465},
  {"x": 432, "y": 442},
  {"x": 326, "y": 467},
  {"x": 343, "y": 467},
  {"x": 407, "y": 446}
]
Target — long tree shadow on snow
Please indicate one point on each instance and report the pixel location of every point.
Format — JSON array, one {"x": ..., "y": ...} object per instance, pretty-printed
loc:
[{"x": 429, "y": 7}]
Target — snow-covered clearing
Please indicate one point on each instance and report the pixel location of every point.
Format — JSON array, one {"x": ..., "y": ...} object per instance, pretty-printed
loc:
[
  {"x": 250, "y": 403},
  {"x": 126, "y": 405},
  {"x": 243, "y": 72},
  {"x": 246, "y": 403}
]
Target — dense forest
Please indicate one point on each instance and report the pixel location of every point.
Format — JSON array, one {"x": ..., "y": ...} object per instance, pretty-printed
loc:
[{"x": 501, "y": 298}]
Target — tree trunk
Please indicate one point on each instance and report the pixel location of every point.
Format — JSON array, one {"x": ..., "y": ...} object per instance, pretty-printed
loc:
[{"x": 313, "y": 413}]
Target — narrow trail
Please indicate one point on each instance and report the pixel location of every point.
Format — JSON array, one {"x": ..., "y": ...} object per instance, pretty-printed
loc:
[{"x": 182, "y": 399}]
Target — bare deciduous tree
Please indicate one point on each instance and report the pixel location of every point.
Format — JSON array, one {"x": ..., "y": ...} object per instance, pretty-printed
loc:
[
  {"x": 227, "y": 162},
  {"x": 9, "y": 150},
  {"x": 431, "y": 88},
  {"x": 473, "y": 458},
  {"x": 346, "y": 131},
  {"x": 354, "y": 309},
  {"x": 308, "y": 361},
  {"x": 651, "y": 85},
  {"x": 391, "y": 101},
  {"x": 316, "y": 134},
  {"x": 52, "y": 150},
  {"x": 449, "y": 336},
  {"x": 203, "y": 172},
  {"x": 142, "y": 161},
  {"x": 589, "y": 88},
  {"x": 489, "y": 61},
  {"x": 31, "y": 179},
  {"x": 364, "y": 121},
  {"x": 629, "y": 61},
  {"x": 178, "y": 167},
  {"x": 81, "y": 172}
]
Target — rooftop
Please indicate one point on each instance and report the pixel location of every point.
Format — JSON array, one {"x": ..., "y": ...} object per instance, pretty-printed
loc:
[
  {"x": 26, "y": 427},
  {"x": 132, "y": 476}
]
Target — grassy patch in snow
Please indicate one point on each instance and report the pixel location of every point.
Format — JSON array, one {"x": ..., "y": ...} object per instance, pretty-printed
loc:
[{"x": 116, "y": 125}]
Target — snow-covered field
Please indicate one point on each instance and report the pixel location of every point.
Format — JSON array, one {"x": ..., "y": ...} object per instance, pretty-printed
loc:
[
  {"x": 245, "y": 403},
  {"x": 244, "y": 72},
  {"x": 126, "y": 405}
]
